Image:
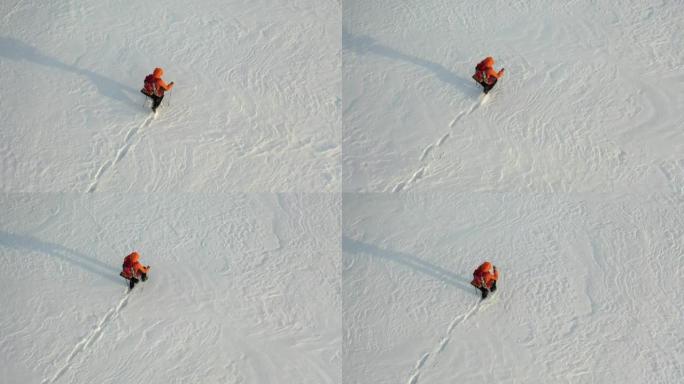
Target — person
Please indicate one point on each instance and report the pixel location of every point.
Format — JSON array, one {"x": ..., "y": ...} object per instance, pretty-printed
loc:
[
  {"x": 133, "y": 270},
  {"x": 485, "y": 74},
  {"x": 484, "y": 278},
  {"x": 155, "y": 87}
]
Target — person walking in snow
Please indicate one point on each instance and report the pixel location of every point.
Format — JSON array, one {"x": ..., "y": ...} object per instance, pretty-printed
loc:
[
  {"x": 133, "y": 270},
  {"x": 485, "y": 74},
  {"x": 155, "y": 87},
  {"x": 484, "y": 278}
]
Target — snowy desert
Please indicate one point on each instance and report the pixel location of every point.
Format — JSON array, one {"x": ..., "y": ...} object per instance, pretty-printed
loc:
[
  {"x": 243, "y": 289},
  {"x": 316, "y": 191},
  {"x": 589, "y": 292},
  {"x": 592, "y": 99},
  {"x": 255, "y": 105}
]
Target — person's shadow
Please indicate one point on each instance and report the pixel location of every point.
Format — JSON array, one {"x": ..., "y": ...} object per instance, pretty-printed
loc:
[
  {"x": 80, "y": 260},
  {"x": 14, "y": 49},
  {"x": 359, "y": 248},
  {"x": 361, "y": 45}
]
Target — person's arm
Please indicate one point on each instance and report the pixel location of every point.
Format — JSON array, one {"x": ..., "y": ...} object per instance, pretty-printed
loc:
[
  {"x": 492, "y": 73},
  {"x": 141, "y": 268},
  {"x": 161, "y": 84}
]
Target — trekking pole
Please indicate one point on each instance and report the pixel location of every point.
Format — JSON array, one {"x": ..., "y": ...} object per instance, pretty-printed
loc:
[{"x": 170, "y": 94}]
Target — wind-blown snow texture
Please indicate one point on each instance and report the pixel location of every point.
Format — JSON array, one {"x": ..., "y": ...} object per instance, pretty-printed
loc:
[
  {"x": 589, "y": 292},
  {"x": 243, "y": 289},
  {"x": 592, "y": 99},
  {"x": 256, "y": 105},
  {"x": 569, "y": 176}
]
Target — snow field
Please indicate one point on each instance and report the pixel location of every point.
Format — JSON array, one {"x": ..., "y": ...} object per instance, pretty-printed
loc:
[
  {"x": 587, "y": 293},
  {"x": 569, "y": 176},
  {"x": 243, "y": 288},
  {"x": 592, "y": 99},
  {"x": 255, "y": 107}
]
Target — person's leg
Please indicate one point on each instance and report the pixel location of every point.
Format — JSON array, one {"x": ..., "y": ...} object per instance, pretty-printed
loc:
[
  {"x": 156, "y": 101},
  {"x": 131, "y": 282},
  {"x": 485, "y": 292},
  {"x": 143, "y": 276},
  {"x": 488, "y": 87},
  {"x": 493, "y": 288}
]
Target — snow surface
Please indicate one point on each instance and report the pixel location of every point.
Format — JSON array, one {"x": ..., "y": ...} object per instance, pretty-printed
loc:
[
  {"x": 243, "y": 289},
  {"x": 256, "y": 106},
  {"x": 590, "y": 289},
  {"x": 569, "y": 176},
  {"x": 592, "y": 99}
]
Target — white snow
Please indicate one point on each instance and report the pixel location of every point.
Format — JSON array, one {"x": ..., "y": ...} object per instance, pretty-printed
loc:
[
  {"x": 243, "y": 289},
  {"x": 569, "y": 176},
  {"x": 592, "y": 99},
  {"x": 590, "y": 289},
  {"x": 256, "y": 106}
]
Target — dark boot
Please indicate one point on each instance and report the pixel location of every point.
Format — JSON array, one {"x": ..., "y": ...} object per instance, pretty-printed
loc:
[
  {"x": 132, "y": 282},
  {"x": 493, "y": 288},
  {"x": 485, "y": 292}
]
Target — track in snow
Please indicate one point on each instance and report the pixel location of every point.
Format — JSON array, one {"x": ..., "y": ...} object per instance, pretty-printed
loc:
[
  {"x": 425, "y": 164},
  {"x": 120, "y": 153},
  {"x": 90, "y": 338},
  {"x": 458, "y": 320}
]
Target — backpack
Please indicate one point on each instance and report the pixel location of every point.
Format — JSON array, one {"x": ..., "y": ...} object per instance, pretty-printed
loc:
[
  {"x": 127, "y": 268},
  {"x": 150, "y": 87},
  {"x": 480, "y": 72}
]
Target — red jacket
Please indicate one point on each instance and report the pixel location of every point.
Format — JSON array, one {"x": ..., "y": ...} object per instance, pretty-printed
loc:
[
  {"x": 154, "y": 85},
  {"x": 485, "y": 275},
  {"x": 132, "y": 267},
  {"x": 485, "y": 73}
]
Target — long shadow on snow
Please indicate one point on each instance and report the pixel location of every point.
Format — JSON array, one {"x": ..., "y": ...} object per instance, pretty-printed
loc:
[
  {"x": 362, "y": 44},
  {"x": 80, "y": 260},
  {"x": 357, "y": 247},
  {"x": 16, "y": 50}
]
